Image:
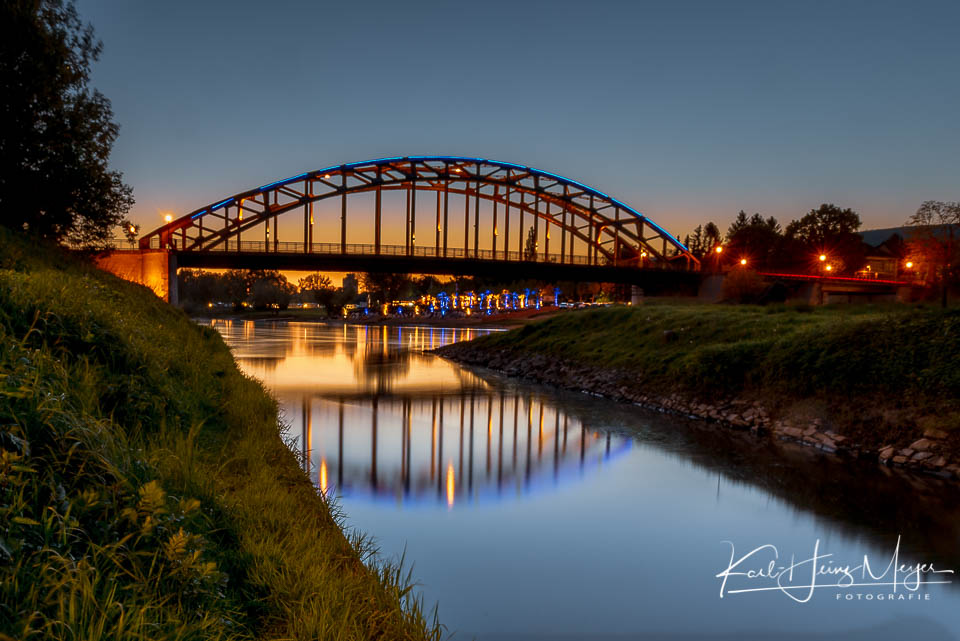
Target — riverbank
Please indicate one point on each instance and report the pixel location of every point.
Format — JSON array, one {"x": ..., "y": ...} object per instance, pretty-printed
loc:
[
  {"x": 145, "y": 488},
  {"x": 872, "y": 382}
]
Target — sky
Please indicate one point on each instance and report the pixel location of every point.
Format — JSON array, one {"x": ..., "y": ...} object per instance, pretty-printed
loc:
[{"x": 687, "y": 111}]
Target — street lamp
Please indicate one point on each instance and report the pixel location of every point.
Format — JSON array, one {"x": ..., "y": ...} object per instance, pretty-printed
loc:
[
  {"x": 131, "y": 233},
  {"x": 909, "y": 264},
  {"x": 743, "y": 261},
  {"x": 823, "y": 258},
  {"x": 717, "y": 251}
]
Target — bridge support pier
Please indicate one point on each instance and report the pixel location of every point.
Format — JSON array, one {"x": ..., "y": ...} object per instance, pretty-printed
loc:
[{"x": 152, "y": 268}]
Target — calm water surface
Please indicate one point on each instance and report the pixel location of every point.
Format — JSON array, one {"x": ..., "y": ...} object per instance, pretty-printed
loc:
[{"x": 531, "y": 513}]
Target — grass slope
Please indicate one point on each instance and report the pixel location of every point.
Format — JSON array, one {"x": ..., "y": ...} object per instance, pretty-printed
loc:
[
  {"x": 875, "y": 369},
  {"x": 145, "y": 491}
]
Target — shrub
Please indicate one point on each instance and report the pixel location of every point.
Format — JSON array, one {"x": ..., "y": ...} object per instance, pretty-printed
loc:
[{"x": 743, "y": 286}]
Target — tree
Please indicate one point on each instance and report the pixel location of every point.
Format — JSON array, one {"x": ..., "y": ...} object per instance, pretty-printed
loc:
[
  {"x": 933, "y": 241},
  {"x": 385, "y": 286},
  {"x": 270, "y": 290},
  {"x": 198, "y": 288},
  {"x": 314, "y": 287},
  {"x": 131, "y": 231},
  {"x": 320, "y": 288},
  {"x": 711, "y": 237},
  {"x": 427, "y": 285},
  {"x": 530, "y": 247},
  {"x": 753, "y": 238},
  {"x": 828, "y": 230},
  {"x": 315, "y": 281},
  {"x": 695, "y": 242},
  {"x": 738, "y": 223},
  {"x": 57, "y": 132},
  {"x": 234, "y": 287}
]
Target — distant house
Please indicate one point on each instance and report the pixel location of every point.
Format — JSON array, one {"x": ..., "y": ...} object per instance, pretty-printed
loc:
[
  {"x": 884, "y": 257},
  {"x": 889, "y": 256}
]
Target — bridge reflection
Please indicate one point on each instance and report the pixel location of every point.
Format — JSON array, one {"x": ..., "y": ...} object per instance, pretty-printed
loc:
[
  {"x": 449, "y": 448},
  {"x": 377, "y": 416}
]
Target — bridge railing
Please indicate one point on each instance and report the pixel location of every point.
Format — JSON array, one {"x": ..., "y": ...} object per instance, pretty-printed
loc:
[{"x": 369, "y": 249}]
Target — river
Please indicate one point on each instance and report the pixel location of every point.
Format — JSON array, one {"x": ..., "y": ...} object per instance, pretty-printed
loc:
[{"x": 532, "y": 513}]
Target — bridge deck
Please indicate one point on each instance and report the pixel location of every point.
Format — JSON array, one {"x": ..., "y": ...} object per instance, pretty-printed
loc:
[{"x": 653, "y": 280}]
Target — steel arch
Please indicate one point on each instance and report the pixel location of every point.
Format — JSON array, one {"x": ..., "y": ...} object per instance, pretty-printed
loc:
[{"x": 613, "y": 232}]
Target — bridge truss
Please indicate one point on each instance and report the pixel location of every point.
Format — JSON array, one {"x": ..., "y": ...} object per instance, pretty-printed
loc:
[{"x": 562, "y": 213}]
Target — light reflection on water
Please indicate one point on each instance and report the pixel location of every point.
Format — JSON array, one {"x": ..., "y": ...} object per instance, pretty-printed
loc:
[
  {"x": 380, "y": 419},
  {"x": 538, "y": 514},
  {"x": 444, "y": 449}
]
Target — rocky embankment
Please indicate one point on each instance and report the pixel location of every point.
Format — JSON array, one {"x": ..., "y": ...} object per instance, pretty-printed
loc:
[{"x": 927, "y": 454}]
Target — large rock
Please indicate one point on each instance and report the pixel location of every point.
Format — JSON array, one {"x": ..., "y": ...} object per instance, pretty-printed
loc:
[{"x": 935, "y": 433}]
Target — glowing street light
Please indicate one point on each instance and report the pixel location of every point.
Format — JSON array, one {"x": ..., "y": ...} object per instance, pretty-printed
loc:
[
  {"x": 829, "y": 268},
  {"x": 909, "y": 264},
  {"x": 823, "y": 257},
  {"x": 743, "y": 261},
  {"x": 719, "y": 249}
]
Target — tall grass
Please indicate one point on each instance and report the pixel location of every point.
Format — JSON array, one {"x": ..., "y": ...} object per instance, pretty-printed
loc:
[
  {"x": 869, "y": 364},
  {"x": 145, "y": 491}
]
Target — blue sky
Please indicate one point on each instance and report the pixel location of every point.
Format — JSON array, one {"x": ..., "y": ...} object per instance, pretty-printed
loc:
[{"x": 688, "y": 111}]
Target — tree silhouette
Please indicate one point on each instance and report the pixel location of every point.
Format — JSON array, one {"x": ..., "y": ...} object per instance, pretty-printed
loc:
[
  {"x": 932, "y": 240},
  {"x": 57, "y": 132},
  {"x": 530, "y": 247},
  {"x": 828, "y": 230},
  {"x": 756, "y": 239}
]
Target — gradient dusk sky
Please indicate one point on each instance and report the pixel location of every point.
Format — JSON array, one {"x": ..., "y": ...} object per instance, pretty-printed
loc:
[{"x": 688, "y": 111}]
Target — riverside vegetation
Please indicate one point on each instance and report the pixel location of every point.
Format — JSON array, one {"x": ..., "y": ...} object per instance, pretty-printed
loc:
[
  {"x": 145, "y": 489},
  {"x": 879, "y": 382}
]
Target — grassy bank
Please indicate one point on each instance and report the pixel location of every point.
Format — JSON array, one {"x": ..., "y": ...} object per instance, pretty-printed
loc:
[
  {"x": 881, "y": 374},
  {"x": 145, "y": 491}
]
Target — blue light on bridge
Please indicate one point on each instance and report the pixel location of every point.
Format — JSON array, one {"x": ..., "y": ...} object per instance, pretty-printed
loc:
[
  {"x": 465, "y": 159},
  {"x": 369, "y": 162},
  {"x": 281, "y": 182}
]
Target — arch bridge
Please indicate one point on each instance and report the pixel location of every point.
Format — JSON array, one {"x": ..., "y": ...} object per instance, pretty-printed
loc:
[{"x": 481, "y": 217}]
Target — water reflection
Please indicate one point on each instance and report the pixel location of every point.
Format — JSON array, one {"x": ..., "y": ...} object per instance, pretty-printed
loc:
[
  {"x": 376, "y": 417},
  {"x": 628, "y": 508},
  {"x": 445, "y": 448},
  {"x": 349, "y": 361}
]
